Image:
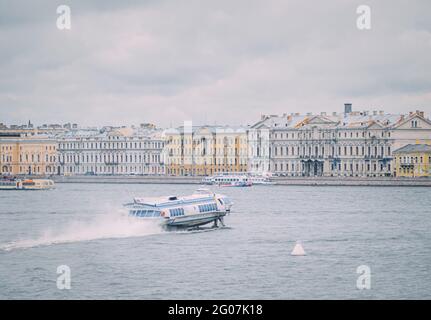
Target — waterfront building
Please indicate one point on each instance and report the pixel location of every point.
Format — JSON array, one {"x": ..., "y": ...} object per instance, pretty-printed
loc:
[
  {"x": 205, "y": 150},
  {"x": 27, "y": 155},
  {"x": 413, "y": 160},
  {"x": 351, "y": 143},
  {"x": 111, "y": 151}
]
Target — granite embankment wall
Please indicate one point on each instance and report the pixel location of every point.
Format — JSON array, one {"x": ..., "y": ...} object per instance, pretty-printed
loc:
[
  {"x": 282, "y": 181},
  {"x": 349, "y": 181}
]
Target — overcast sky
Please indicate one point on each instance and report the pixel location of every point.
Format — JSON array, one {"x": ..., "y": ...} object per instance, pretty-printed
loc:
[{"x": 127, "y": 62}]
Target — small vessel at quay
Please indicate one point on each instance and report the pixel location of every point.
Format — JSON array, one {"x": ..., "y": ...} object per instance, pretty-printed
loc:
[
  {"x": 37, "y": 184},
  {"x": 26, "y": 184},
  {"x": 10, "y": 184},
  {"x": 260, "y": 180},
  {"x": 228, "y": 181},
  {"x": 187, "y": 212}
]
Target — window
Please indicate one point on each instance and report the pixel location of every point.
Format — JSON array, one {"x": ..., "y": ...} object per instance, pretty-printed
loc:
[
  {"x": 145, "y": 213},
  {"x": 207, "y": 207},
  {"x": 176, "y": 212}
]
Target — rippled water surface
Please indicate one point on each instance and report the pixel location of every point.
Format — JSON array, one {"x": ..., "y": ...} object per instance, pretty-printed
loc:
[{"x": 112, "y": 256}]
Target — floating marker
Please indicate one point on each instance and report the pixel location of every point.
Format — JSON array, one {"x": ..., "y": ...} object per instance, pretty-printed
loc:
[{"x": 298, "y": 250}]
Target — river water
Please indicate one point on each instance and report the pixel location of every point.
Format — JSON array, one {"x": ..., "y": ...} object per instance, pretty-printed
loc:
[{"x": 111, "y": 256}]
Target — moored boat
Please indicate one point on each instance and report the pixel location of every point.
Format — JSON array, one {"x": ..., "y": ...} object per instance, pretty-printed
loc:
[
  {"x": 26, "y": 184},
  {"x": 10, "y": 184},
  {"x": 37, "y": 184},
  {"x": 201, "y": 208},
  {"x": 260, "y": 180},
  {"x": 228, "y": 180}
]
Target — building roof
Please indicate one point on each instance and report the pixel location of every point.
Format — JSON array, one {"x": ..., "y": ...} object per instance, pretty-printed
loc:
[
  {"x": 351, "y": 120},
  {"x": 212, "y": 129},
  {"x": 9, "y": 135},
  {"x": 414, "y": 148},
  {"x": 108, "y": 132},
  {"x": 27, "y": 139}
]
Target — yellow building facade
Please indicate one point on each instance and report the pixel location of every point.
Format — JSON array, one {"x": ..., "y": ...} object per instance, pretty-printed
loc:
[
  {"x": 205, "y": 150},
  {"x": 413, "y": 160},
  {"x": 27, "y": 155}
]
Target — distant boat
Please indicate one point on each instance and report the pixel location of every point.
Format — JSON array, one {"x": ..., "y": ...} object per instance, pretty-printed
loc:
[
  {"x": 260, "y": 180},
  {"x": 229, "y": 180},
  {"x": 26, "y": 184},
  {"x": 38, "y": 184},
  {"x": 10, "y": 184},
  {"x": 201, "y": 208}
]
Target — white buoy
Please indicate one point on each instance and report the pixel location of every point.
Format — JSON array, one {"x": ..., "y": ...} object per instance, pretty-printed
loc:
[{"x": 298, "y": 250}]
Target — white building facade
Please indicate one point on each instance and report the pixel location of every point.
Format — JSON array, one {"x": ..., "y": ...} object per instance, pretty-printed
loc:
[
  {"x": 124, "y": 151},
  {"x": 345, "y": 144}
]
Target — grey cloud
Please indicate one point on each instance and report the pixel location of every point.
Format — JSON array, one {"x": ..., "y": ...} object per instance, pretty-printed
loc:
[{"x": 210, "y": 61}]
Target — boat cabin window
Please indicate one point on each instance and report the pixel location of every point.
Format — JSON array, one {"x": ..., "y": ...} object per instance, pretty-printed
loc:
[
  {"x": 176, "y": 212},
  {"x": 207, "y": 207},
  {"x": 145, "y": 213}
]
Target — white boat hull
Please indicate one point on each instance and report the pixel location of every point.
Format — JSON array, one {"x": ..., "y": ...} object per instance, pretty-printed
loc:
[{"x": 194, "y": 220}]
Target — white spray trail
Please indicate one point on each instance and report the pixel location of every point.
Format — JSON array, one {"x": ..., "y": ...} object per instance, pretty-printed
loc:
[{"x": 106, "y": 226}]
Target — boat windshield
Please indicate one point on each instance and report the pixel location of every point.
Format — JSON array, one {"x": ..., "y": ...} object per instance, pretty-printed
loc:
[
  {"x": 145, "y": 213},
  {"x": 225, "y": 201}
]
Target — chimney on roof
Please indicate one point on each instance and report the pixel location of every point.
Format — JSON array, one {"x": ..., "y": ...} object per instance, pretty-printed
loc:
[
  {"x": 334, "y": 113},
  {"x": 420, "y": 113},
  {"x": 323, "y": 113},
  {"x": 347, "y": 107},
  {"x": 381, "y": 112},
  {"x": 262, "y": 117},
  {"x": 374, "y": 113},
  {"x": 309, "y": 113}
]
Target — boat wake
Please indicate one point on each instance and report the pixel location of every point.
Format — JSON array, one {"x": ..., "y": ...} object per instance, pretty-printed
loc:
[{"x": 109, "y": 226}]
